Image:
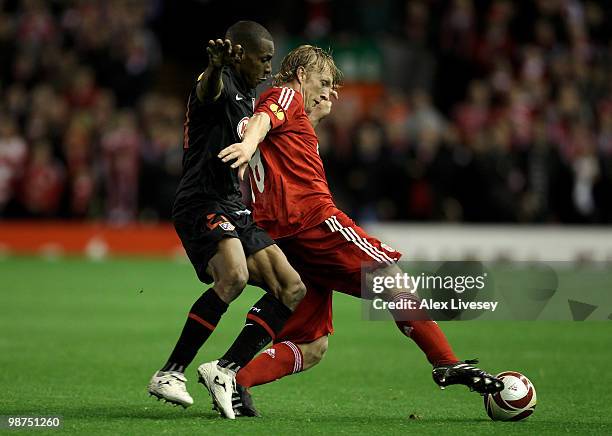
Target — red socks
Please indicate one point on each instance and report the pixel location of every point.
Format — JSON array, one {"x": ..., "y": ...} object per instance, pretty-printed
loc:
[
  {"x": 430, "y": 339},
  {"x": 285, "y": 358},
  {"x": 276, "y": 362},
  {"x": 425, "y": 333}
]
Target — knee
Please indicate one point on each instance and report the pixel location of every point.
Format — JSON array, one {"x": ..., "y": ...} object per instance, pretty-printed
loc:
[
  {"x": 321, "y": 348},
  {"x": 293, "y": 293},
  {"x": 314, "y": 352},
  {"x": 232, "y": 281}
]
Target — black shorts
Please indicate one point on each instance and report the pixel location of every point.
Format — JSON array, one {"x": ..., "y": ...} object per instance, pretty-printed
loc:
[{"x": 201, "y": 232}]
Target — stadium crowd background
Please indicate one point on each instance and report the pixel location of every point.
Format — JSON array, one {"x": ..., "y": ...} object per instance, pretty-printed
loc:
[{"x": 458, "y": 110}]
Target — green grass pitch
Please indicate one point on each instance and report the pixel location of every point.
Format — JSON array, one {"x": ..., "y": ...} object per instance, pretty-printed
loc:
[{"x": 81, "y": 339}]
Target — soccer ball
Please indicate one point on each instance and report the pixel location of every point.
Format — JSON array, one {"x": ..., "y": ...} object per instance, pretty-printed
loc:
[{"x": 515, "y": 402}]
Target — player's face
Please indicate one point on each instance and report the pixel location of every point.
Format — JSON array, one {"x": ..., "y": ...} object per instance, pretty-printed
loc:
[
  {"x": 256, "y": 65},
  {"x": 316, "y": 87}
]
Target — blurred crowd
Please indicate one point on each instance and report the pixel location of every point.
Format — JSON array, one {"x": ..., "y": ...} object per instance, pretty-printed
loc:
[
  {"x": 501, "y": 112},
  {"x": 81, "y": 133},
  {"x": 477, "y": 111}
]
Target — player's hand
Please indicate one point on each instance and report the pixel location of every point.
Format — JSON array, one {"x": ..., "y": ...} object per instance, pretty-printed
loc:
[
  {"x": 239, "y": 154},
  {"x": 322, "y": 109},
  {"x": 222, "y": 53}
]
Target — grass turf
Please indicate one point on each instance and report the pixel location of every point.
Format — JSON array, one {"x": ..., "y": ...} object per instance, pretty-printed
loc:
[{"x": 81, "y": 339}]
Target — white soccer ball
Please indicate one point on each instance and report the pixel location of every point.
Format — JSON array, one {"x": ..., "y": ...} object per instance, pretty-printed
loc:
[{"x": 515, "y": 402}]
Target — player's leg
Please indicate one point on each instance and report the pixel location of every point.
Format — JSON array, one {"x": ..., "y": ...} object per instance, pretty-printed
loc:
[
  {"x": 340, "y": 248},
  {"x": 313, "y": 352},
  {"x": 229, "y": 272},
  {"x": 282, "y": 359},
  {"x": 416, "y": 323},
  {"x": 418, "y": 326},
  {"x": 217, "y": 255},
  {"x": 310, "y": 321},
  {"x": 300, "y": 345},
  {"x": 269, "y": 268}
]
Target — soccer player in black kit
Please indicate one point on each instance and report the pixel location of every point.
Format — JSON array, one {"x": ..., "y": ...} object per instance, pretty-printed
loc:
[{"x": 216, "y": 228}]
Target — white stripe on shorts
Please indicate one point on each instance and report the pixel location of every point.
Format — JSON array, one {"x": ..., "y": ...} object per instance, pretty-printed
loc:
[
  {"x": 369, "y": 244},
  {"x": 366, "y": 244},
  {"x": 333, "y": 222}
]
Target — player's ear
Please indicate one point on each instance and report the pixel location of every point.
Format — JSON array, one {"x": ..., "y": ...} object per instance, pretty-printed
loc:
[{"x": 300, "y": 74}]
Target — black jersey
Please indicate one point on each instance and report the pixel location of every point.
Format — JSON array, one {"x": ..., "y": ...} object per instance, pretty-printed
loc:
[{"x": 209, "y": 128}]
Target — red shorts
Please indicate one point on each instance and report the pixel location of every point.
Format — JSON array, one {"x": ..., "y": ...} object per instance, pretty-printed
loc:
[{"x": 328, "y": 257}]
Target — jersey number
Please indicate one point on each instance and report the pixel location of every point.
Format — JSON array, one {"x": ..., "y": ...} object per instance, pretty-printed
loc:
[{"x": 258, "y": 172}]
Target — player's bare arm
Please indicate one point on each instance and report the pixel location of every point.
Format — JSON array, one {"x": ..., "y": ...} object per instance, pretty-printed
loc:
[
  {"x": 221, "y": 53},
  {"x": 257, "y": 129},
  {"x": 322, "y": 109}
]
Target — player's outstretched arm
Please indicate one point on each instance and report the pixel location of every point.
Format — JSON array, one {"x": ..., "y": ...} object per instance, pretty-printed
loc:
[
  {"x": 220, "y": 54},
  {"x": 258, "y": 127}
]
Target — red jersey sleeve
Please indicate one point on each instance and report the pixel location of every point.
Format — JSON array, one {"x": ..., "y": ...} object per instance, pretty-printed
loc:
[{"x": 280, "y": 104}]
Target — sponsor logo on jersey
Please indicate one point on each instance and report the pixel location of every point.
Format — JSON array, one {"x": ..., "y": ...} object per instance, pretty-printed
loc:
[
  {"x": 241, "y": 127},
  {"x": 238, "y": 98},
  {"x": 277, "y": 111},
  {"x": 271, "y": 352}
]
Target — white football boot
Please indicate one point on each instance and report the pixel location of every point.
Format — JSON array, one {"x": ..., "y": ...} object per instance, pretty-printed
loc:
[
  {"x": 220, "y": 383},
  {"x": 170, "y": 386}
]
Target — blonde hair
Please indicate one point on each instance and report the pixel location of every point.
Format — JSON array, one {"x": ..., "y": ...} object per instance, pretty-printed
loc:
[{"x": 310, "y": 58}]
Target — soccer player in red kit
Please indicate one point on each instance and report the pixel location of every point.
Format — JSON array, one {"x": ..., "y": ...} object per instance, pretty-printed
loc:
[{"x": 292, "y": 202}]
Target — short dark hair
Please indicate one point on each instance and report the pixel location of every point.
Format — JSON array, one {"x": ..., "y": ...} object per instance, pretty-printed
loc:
[{"x": 247, "y": 34}]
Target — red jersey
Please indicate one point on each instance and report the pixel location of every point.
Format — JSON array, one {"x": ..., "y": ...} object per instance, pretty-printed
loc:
[{"x": 290, "y": 191}]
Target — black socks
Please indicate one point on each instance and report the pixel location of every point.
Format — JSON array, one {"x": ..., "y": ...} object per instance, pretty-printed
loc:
[
  {"x": 263, "y": 322},
  {"x": 201, "y": 321}
]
